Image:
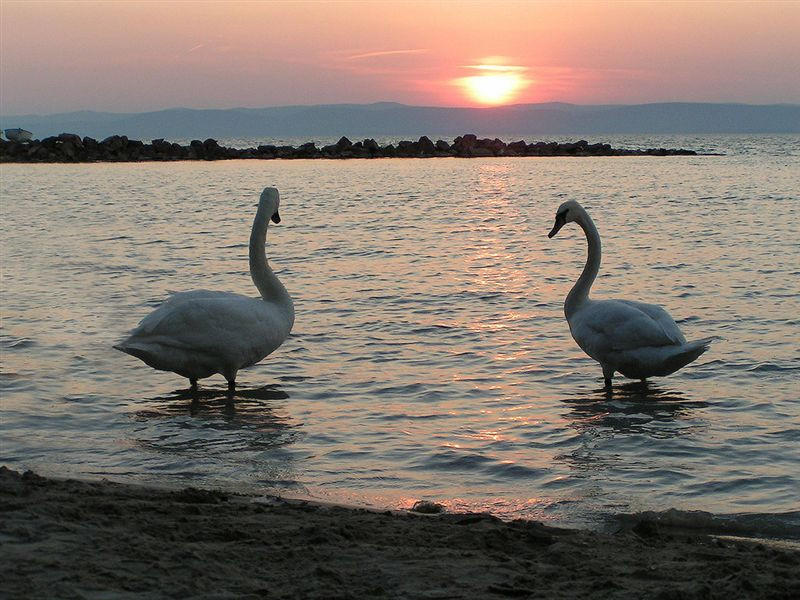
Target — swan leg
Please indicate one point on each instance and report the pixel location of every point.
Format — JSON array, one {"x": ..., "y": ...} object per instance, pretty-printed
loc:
[
  {"x": 608, "y": 374},
  {"x": 229, "y": 374}
]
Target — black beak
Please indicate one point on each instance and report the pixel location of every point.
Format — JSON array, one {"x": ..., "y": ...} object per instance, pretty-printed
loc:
[
  {"x": 276, "y": 218},
  {"x": 561, "y": 220}
]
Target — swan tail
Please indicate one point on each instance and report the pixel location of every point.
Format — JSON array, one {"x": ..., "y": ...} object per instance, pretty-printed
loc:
[
  {"x": 659, "y": 361},
  {"x": 143, "y": 352},
  {"x": 133, "y": 349},
  {"x": 165, "y": 358},
  {"x": 687, "y": 353},
  {"x": 705, "y": 343}
]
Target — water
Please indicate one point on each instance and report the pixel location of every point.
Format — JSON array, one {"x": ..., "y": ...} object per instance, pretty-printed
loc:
[{"x": 430, "y": 356}]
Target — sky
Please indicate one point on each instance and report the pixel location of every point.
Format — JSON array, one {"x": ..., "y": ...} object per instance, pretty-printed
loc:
[{"x": 134, "y": 56}]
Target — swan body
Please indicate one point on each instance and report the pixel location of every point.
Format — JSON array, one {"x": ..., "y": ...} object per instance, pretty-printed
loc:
[
  {"x": 635, "y": 339},
  {"x": 200, "y": 333}
]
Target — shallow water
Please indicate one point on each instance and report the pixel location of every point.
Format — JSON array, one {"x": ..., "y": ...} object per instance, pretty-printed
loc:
[{"x": 430, "y": 356}]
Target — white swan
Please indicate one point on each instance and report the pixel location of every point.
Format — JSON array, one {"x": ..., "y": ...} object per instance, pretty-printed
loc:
[
  {"x": 197, "y": 334},
  {"x": 638, "y": 340}
]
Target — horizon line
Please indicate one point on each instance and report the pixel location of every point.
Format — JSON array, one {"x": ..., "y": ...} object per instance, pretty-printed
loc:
[{"x": 391, "y": 102}]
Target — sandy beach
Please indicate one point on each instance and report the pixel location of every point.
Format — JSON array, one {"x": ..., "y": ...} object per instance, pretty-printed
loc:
[{"x": 98, "y": 539}]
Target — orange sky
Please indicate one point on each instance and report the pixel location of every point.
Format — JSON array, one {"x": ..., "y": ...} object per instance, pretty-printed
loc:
[{"x": 135, "y": 56}]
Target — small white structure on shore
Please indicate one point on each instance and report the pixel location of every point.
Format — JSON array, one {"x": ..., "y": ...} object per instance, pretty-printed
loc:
[{"x": 18, "y": 135}]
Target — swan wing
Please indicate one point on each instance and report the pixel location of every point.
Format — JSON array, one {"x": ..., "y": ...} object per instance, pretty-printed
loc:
[
  {"x": 150, "y": 323},
  {"x": 662, "y": 317},
  {"x": 241, "y": 329},
  {"x": 178, "y": 297},
  {"x": 612, "y": 325}
]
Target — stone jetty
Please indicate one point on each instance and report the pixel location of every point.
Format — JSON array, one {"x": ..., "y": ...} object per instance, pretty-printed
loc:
[{"x": 69, "y": 148}]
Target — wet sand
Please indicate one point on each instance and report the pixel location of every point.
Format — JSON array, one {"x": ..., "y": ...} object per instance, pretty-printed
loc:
[{"x": 97, "y": 539}]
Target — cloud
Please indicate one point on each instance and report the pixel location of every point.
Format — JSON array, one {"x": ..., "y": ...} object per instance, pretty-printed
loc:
[{"x": 381, "y": 53}]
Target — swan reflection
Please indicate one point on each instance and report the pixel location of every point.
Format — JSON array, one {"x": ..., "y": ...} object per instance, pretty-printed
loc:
[
  {"x": 215, "y": 395},
  {"x": 640, "y": 407},
  {"x": 636, "y": 431},
  {"x": 216, "y": 420}
]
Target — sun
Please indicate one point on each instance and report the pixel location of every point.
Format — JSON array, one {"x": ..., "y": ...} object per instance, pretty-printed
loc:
[
  {"x": 495, "y": 84},
  {"x": 496, "y": 88}
]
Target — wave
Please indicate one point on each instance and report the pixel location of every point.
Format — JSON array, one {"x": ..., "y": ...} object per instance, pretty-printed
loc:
[{"x": 780, "y": 526}]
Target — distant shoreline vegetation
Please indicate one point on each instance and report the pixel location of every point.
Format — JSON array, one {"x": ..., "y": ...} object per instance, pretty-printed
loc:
[{"x": 72, "y": 148}]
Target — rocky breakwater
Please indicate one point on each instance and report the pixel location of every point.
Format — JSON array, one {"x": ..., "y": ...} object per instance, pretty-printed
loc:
[{"x": 69, "y": 147}]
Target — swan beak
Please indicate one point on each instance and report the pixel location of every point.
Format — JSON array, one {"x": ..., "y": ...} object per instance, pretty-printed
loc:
[
  {"x": 276, "y": 218},
  {"x": 561, "y": 220}
]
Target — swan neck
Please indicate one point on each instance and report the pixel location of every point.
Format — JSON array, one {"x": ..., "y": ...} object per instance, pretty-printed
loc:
[
  {"x": 580, "y": 291},
  {"x": 265, "y": 280}
]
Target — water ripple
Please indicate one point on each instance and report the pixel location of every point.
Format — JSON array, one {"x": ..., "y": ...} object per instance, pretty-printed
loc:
[{"x": 430, "y": 355}]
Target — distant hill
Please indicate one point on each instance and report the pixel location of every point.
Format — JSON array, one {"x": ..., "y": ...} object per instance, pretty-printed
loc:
[{"x": 391, "y": 119}]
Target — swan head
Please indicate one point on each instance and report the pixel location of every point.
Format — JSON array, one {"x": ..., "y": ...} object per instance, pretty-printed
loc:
[
  {"x": 566, "y": 213},
  {"x": 269, "y": 203}
]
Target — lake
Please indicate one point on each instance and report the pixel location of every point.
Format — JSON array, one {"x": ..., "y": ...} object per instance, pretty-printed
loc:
[{"x": 430, "y": 357}]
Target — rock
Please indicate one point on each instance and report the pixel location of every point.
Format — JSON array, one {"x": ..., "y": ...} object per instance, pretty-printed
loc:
[
  {"x": 442, "y": 146},
  {"x": 70, "y": 147},
  {"x": 407, "y": 149},
  {"x": 72, "y": 138},
  {"x": 330, "y": 150},
  {"x": 266, "y": 148},
  {"x": 540, "y": 149},
  {"x": 467, "y": 140},
  {"x": 212, "y": 149},
  {"x": 68, "y": 150},
  {"x": 308, "y": 150},
  {"x": 426, "y": 146},
  {"x": 196, "y": 149},
  {"x": 427, "y": 507},
  {"x": 481, "y": 152},
  {"x": 114, "y": 143},
  {"x": 161, "y": 147},
  {"x": 517, "y": 147},
  {"x": 496, "y": 145},
  {"x": 464, "y": 144}
]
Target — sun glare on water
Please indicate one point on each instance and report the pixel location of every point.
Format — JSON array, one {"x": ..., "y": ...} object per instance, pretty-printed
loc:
[{"x": 494, "y": 84}]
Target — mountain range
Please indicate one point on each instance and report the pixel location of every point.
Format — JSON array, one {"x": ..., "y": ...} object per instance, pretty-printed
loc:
[{"x": 391, "y": 119}]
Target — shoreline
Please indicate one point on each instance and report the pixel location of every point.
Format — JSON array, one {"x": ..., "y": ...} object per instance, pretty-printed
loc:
[
  {"x": 73, "y": 538},
  {"x": 72, "y": 148}
]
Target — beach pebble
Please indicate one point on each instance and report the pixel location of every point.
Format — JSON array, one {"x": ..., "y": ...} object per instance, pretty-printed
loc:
[{"x": 427, "y": 507}]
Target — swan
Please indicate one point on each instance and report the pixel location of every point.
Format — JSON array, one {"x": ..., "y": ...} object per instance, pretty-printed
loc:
[
  {"x": 635, "y": 339},
  {"x": 199, "y": 333}
]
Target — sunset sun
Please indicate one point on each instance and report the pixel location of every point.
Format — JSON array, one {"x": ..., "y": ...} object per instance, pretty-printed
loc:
[{"x": 494, "y": 84}]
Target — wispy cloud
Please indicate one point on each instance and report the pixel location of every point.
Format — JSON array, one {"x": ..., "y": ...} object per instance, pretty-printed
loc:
[
  {"x": 499, "y": 68},
  {"x": 386, "y": 53}
]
